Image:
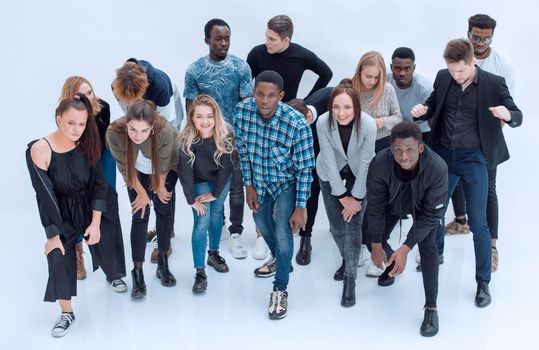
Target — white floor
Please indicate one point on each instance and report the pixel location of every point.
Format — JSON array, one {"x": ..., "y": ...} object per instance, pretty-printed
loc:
[{"x": 44, "y": 42}]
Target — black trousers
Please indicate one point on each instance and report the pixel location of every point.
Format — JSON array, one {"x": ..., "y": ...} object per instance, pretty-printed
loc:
[
  {"x": 428, "y": 252},
  {"x": 62, "y": 282},
  {"x": 459, "y": 203},
  {"x": 312, "y": 206},
  {"x": 164, "y": 218},
  {"x": 236, "y": 200}
]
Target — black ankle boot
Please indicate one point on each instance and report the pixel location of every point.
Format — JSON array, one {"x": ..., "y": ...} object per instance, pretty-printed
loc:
[
  {"x": 339, "y": 274},
  {"x": 348, "y": 291},
  {"x": 163, "y": 273},
  {"x": 303, "y": 257},
  {"x": 139, "y": 286}
]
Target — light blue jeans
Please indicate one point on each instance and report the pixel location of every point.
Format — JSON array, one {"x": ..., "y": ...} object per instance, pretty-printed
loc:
[
  {"x": 272, "y": 219},
  {"x": 209, "y": 224}
]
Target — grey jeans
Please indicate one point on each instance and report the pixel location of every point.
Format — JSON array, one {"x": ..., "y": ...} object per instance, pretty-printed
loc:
[{"x": 347, "y": 235}]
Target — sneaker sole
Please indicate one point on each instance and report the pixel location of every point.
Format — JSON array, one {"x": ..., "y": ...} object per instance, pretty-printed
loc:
[
  {"x": 264, "y": 275},
  {"x": 276, "y": 317}
]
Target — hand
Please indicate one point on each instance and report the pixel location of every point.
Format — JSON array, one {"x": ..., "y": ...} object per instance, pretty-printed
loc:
[
  {"x": 200, "y": 208},
  {"x": 252, "y": 198},
  {"x": 53, "y": 243},
  {"x": 298, "y": 220},
  {"x": 379, "y": 122},
  {"x": 378, "y": 255},
  {"x": 163, "y": 194},
  {"x": 206, "y": 197},
  {"x": 501, "y": 112},
  {"x": 399, "y": 257},
  {"x": 141, "y": 201},
  {"x": 92, "y": 234},
  {"x": 350, "y": 203},
  {"x": 347, "y": 215},
  {"x": 419, "y": 110}
]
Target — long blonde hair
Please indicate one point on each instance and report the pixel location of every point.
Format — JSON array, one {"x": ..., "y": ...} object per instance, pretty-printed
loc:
[
  {"x": 72, "y": 86},
  {"x": 222, "y": 132},
  {"x": 371, "y": 59}
]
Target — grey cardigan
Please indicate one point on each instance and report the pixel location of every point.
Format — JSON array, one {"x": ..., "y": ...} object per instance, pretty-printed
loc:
[
  {"x": 332, "y": 157},
  {"x": 388, "y": 108}
]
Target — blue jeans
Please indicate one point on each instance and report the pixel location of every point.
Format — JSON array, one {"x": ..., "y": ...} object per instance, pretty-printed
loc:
[
  {"x": 471, "y": 168},
  {"x": 209, "y": 224},
  {"x": 272, "y": 220}
]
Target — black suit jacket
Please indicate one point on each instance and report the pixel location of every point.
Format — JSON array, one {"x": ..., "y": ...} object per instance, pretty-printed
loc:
[{"x": 491, "y": 92}]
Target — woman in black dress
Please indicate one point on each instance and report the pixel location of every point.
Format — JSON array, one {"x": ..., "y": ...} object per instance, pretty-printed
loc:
[
  {"x": 109, "y": 253},
  {"x": 71, "y": 195}
]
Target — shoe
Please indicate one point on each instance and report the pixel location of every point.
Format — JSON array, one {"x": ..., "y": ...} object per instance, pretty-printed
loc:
[
  {"x": 201, "y": 282},
  {"x": 303, "y": 256},
  {"x": 260, "y": 252},
  {"x": 139, "y": 286},
  {"x": 348, "y": 298},
  {"x": 454, "y": 228},
  {"x": 81, "y": 271},
  {"x": 364, "y": 256},
  {"x": 118, "y": 285},
  {"x": 495, "y": 259},
  {"x": 339, "y": 274},
  {"x": 155, "y": 254},
  {"x": 267, "y": 269},
  {"x": 235, "y": 248},
  {"x": 385, "y": 279},
  {"x": 278, "y": 304},
  {"x": 216, "y": 261},
  {"x": 429, "y": 326},
  {"x": 163, "y": 272},
  {"x": 61, "y": 327},
  {"x": 418, "y": 260},
  {"x": 152, "y": 234},
  {"x": 373, "y": 270},
  {"x": 482, "y": 296}
]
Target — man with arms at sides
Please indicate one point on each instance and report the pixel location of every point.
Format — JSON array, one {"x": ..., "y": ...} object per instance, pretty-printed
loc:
[
  {"x": 288, "y": 59},
  {"x": 480, "y": 33},
  {"x": 407, "y": 178},
  {"x": 227, "y": 79},
  {"x": 467, "y": 107},
  {"x": 276, "y": 152}
]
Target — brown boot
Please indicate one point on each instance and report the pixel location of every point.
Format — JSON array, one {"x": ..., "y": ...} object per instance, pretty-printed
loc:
[
  {"x": 81, "y": 271},
  {"x": 155, "y": 255}
]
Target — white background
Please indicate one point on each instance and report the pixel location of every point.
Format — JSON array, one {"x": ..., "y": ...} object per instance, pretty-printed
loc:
[{"x": 44, "y": 42}]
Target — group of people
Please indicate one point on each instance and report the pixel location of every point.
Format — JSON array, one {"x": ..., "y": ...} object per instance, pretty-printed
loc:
[{"x": 379, "y": 146}]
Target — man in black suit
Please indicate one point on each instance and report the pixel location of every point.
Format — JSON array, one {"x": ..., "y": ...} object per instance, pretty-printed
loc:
[{"x": 468, "y": 107}]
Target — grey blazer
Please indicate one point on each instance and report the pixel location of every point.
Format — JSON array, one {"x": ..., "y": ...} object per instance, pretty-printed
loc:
[{"x": 332, "y": 157}]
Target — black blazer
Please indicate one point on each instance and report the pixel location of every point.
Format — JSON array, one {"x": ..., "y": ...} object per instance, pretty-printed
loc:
[{"x": 491, "y": 91}]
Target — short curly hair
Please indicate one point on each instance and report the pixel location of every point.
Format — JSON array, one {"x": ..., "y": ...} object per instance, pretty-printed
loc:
[{"x": 131, "y": 83}]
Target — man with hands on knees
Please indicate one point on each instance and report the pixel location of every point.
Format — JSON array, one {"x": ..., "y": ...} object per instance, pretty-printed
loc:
[
  {"x": 275, "y": 145},
  {"x": 407, "y": 178},
  {"x": 468, "y": 107}
]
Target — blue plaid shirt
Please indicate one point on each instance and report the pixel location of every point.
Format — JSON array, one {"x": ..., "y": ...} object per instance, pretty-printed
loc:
[{"x": 274, "y": 154}]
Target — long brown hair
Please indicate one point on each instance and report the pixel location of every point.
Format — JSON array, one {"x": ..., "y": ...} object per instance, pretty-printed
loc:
[
  {"x": 89, "y": 141},
  {"x": 371, "y": 59},
  {"x": 346, "y": 87},
  {"x": 141, "y": 110},
  {"x": 72, "y": 86}
]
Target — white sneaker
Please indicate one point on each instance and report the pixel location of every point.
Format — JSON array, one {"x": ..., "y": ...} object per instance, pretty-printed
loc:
[
  {"x": 364, "y": 256},
  {"x": 118, "y": 285},
  {"x": 260, "y": 252},
  {"x": 235, "y": 248},
  {"x": 373, "y": 270}
]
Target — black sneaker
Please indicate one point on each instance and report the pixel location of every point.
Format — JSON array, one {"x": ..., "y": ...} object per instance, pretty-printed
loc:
[
  {"x": 201, "y": 282},
  {"x": 63, "y": 323},
  {"x": 216, "y": 261},
  {"x": 385, "y": 280},
  {"x": 429, "y": 327},
  {"x": 278, "y": 304}
]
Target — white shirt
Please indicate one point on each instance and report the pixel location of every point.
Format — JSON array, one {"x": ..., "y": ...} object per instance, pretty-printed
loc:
[{"x": 497, "y": 64}]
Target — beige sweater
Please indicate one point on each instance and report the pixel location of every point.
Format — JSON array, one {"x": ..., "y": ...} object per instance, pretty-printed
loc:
[{"x": 388, "y": 108}]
